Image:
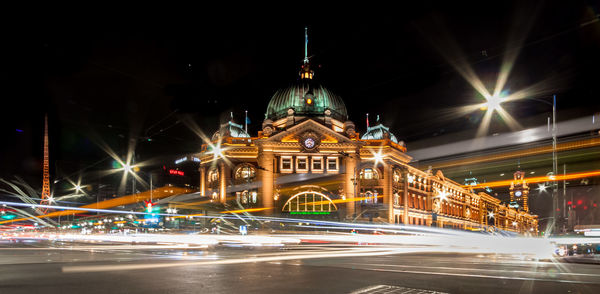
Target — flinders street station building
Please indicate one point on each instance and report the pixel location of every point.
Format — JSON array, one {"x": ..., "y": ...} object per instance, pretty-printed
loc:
[{"x": 309, "y": 161}]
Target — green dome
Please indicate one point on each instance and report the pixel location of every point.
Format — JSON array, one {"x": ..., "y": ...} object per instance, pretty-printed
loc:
[
  {"x": 379, "y": 132},
  {"x": 296, "y": 97}
]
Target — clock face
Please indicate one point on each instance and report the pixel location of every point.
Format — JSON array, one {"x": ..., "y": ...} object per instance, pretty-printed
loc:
[
  {"x": 518, "y": 193},
  {"x": 309, "y": 143}
]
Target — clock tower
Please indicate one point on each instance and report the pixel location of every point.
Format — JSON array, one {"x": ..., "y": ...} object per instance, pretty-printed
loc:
[{"x": 519, "y": 192}]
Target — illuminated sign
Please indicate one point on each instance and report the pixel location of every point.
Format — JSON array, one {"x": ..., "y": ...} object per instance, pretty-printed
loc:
[
  {"x": 176, "y": 172},
  {"x": 180, "y": 160},
  {"x": 310, "y": 212},
  {"x": 195, "y": 159}
]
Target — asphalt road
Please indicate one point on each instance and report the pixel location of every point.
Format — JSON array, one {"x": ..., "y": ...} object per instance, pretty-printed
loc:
[{"x": 43, "y": 267}]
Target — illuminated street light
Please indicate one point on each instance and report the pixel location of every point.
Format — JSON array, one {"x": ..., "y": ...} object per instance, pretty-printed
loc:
[
  {"x": 493, "y": 103},
  {"x": 378, "y": 157},
  {"x": 442, "y": 194},
  {"x": 542, "y": 187},
  {"x": 491, "y": 214},
  {"x": 217, "y": 151}
]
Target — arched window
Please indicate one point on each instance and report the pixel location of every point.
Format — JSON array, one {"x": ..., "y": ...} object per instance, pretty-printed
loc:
[
  {"x": 397, "y": 176},
  {"x": 245, "y": 171},
  {"x": 213, "y": 175},
  {"x": 369, "y": 174}
]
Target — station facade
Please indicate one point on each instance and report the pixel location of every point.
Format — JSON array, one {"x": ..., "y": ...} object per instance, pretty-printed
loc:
[{"x": 309, "y": 161}]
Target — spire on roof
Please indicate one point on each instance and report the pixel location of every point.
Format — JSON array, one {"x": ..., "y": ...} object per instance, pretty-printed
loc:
[
  {"x": 306, "y": 72},
  {"x": 305, "y": 45}
]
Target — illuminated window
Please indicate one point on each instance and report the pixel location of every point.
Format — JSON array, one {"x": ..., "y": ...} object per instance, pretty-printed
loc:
[
  {"x": 301, "y": 164},
  {"x": 370, "y": 197},
  {"x": 332, "y": 164},
  {"x": 317, "y": 164},
  {"x": 397, "y": 176},
  {"x": 245, "y": 171},
  {"x": 369, "y": 174},
  {"x": 286, "y": 164},
  {"x": 213, "y": 175}
]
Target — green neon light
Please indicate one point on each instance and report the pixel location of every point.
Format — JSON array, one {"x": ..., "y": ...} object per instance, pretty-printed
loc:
[
  {"x": 8, "y": 216},
  {"x": 310, "y": 212}
]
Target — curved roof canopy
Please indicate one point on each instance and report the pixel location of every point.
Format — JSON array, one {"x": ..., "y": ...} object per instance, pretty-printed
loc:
[{"x": 307, "y": 98}]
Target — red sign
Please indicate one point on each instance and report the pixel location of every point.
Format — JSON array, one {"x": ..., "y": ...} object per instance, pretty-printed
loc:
[{"x": 176, "y": 172}]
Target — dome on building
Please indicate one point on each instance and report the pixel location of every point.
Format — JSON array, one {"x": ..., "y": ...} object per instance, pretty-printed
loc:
[
  {"x": 230, "y": 129},
  {"x": 379, "y": 132},
  {"x": 306, "y": 98}
]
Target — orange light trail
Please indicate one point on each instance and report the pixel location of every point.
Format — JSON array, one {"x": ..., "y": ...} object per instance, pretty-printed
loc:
[
  {"x": 158, "y": 193},
  {"x": 536, "y": 180},
  {"x": 188, "y": 215},
  {"x": 247, "y": 210}
]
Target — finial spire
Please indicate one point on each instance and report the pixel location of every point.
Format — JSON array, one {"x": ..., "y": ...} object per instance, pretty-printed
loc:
[
  {"x": 306, "y": 72},
  {"x": 305, "y": 45}
]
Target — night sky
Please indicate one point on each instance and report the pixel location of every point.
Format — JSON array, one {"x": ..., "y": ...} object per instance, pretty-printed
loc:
[{"x": 108, "y": 77}]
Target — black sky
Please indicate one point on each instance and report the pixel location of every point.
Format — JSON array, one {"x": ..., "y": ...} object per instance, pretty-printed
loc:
[{"x": 127, "y": 75}]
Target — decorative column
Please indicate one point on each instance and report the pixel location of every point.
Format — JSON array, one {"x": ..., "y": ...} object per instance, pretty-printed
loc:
[
  {"x": 351, "y": 163},
  {"x": 202, "y": 181},
  {"x": 388, "y": 198},
  {"x": 266, "y": 177},
  {"x": 223, "y": 179}
]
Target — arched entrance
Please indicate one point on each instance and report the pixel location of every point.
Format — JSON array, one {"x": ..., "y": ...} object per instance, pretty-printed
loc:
[{"x": 309, "y": 201}]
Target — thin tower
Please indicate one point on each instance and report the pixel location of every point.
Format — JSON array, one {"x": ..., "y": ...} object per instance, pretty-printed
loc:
[
  {"x": 46, "y": 176},
  {"x": 306, "y": 45},
  {"x": 306, "y": 72}
]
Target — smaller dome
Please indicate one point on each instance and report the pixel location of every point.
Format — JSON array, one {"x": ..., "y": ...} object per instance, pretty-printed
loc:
[
  {"x": 379, "y": 132},
  {"x": 230, "y": 129}
]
